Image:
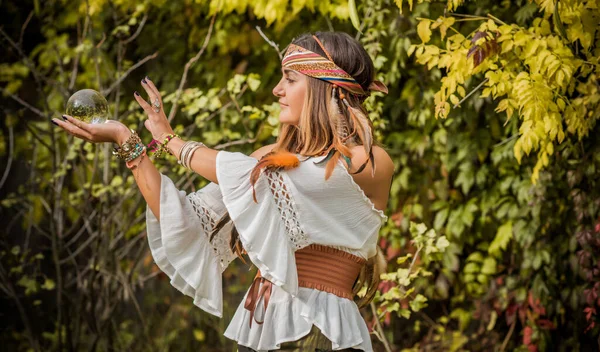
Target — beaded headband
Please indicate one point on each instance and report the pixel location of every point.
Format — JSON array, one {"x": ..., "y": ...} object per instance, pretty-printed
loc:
[{"x": 312, "y": 64}]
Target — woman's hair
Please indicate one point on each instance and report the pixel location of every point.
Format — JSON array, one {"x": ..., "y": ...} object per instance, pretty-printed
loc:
[
  {"x": 318, "y": 125},
  {"x": 324, "y": 123}
]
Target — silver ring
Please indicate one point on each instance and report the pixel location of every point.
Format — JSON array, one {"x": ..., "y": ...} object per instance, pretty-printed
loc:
[{"x": 156, "y": 103}]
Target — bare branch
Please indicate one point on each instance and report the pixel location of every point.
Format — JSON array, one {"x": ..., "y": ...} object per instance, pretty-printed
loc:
[
  {"x": 24, "y": 27},
  {"x": 78, "y": 56},
  {"x": 271, "y": 43},
  {"x": 138, "y": 31},
  {"x": 131, "y": 69},
  {"x": 187, "y": 67},
  {"x": 380, "y": 333},
  {"x": 471, "y": 93},
  {"x": 35, "y": 135}
]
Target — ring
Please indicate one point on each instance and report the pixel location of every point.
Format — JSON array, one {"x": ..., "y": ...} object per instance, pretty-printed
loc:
[{"x": 156, "y": 105}]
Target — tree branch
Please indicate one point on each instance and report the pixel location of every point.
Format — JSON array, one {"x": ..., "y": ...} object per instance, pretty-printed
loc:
[
  {"x": 138, "y": 31},
  {"x": 24, "y": 27},
  {"x": 471, "y": 93},
  {"x": 131, "y": 69},
  {"x": 187, "y": 67},
  {"x": 380, "y": 332},
  {"x": 271, "y": 43}
]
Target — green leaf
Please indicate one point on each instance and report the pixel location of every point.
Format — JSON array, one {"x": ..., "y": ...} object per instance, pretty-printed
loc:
[
  {"x": 489, "y": 266},
  {"x": 440, "y": 218},
  {"x": 442, "y": 243},
  {"x": 503, "y": 236},
  {"x": 354, "y": 15},
  {"x": 48, "y": 284},
  {"x": 405, "y": 313},
  {"x": 253, "y": 81},
  {"x": 418, "y": 303}
]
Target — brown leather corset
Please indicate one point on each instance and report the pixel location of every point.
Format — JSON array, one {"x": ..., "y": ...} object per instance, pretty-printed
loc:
[{"x": 319, "y": 267}]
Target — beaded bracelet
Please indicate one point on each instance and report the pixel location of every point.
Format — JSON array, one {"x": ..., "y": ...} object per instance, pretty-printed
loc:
[
  {"x": 125, "y": 150},
  {"x": 130, "y": 165},
  {"x": 162, "y": 147},
  {"x": 139, "y": 148}
]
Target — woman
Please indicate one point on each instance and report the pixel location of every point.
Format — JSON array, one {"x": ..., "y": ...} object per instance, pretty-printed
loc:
[{"x": 307, "y": 214}]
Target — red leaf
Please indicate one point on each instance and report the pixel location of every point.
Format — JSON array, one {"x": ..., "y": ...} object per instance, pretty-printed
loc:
[
  {"x": 527, "y": 332},
  {"x": 483, "y": 51},
  {"x": 589, "y": 312},
  {"x": 545, "y": 324}
]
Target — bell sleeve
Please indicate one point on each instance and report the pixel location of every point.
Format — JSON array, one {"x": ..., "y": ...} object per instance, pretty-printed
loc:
[
  {"x": 180, "y": 244},
  {"x": 268, "y": 229}
]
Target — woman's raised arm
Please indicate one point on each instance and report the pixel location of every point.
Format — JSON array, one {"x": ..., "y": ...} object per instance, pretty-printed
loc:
[{"x": 145, "y": 173}]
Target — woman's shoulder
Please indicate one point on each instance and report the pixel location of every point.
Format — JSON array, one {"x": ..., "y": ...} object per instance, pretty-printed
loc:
[
  {"x": 375, "y": 187},
  {"x": 260, "y": 152},
  {"x": 384, "y": 164}
]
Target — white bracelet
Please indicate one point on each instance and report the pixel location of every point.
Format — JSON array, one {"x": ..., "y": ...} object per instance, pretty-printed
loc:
[{"x": 187, "y": 151}]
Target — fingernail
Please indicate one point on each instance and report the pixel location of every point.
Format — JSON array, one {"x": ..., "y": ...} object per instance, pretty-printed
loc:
[
  {"x": 54, "y": 122},
  {"x": 148, "y": 78},
  {"x": 144, "y": 81},
  {"x": 136, "y": 93},
  {"x": 64, "y": 117}
]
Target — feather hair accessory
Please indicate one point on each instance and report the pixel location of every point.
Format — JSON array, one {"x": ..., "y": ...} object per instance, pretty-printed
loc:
[
  {"x": 273, "y": 161},
  {"x": 336, "y": 115},
  {"x": 362, "y": 126}
]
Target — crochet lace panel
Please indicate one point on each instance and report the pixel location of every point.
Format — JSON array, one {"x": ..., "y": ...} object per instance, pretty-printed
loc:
[
  {"x": 287, "y": 209},
  {"x": 208, "y": 220}
]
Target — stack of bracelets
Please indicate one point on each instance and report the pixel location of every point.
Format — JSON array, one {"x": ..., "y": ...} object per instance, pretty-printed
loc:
[
  {"x": 186, "y": 152},
  {"x": 162, "y": 147},
  {"x": 131, "y": 150},
  {"x": 134, "y": 148}
]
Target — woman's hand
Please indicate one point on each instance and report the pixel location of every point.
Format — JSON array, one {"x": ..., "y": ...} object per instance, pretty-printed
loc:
[
  {"x": 157, "y": 122},
  {"x": 110, "y": 131}
]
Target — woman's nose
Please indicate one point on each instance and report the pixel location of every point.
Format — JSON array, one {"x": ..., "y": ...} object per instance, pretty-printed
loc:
[{"x": 278, "y": 90}]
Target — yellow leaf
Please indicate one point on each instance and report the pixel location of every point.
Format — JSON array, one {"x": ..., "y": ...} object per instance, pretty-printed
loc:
[
  {"x": 399, "y": 4},
  {"x": 199, "y": 335},
  {"x": 424, "y": 31}
]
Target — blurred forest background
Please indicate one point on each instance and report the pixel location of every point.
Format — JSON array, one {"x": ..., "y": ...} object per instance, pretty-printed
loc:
[{"x": 493, "y": 240}]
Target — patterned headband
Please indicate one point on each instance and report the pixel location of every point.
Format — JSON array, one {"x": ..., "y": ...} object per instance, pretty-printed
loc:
[{"x": 312, "y": 64}]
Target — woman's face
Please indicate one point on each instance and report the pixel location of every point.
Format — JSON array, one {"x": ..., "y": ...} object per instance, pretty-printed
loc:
[{"x": 291, "y": 90}]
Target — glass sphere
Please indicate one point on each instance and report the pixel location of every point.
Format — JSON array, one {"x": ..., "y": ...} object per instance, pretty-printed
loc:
[{"x": 88, "y": 106}]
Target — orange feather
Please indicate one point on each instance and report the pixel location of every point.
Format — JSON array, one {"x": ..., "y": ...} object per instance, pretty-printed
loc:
[
  {"x": 273, "y": 161},
  {"x": 331, "y": 164}
]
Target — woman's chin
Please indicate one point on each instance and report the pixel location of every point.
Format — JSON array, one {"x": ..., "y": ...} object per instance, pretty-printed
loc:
[{"x": 283, "y": 119}]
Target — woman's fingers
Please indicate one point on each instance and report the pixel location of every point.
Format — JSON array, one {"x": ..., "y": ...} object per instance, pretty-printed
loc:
[
  {"x": 73, "y": 129},
  {"x": 143, "y": 103},
  {"x": 154, "y": 98},
  {"x": 78, "y": 123},
  {"x": 155, "y": 90}
]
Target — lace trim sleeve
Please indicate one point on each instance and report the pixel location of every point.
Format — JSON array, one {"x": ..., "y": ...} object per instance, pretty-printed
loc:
[
  {"x": 209, "y": 210},
  {"x": 287, "y": 209}
]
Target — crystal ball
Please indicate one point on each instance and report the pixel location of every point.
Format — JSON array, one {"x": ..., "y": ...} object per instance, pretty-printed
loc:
[{"x": 88, "y": 106}]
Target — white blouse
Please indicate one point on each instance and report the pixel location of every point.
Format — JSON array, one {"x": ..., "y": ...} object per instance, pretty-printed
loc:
[{"x": 295, "y": 208}]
